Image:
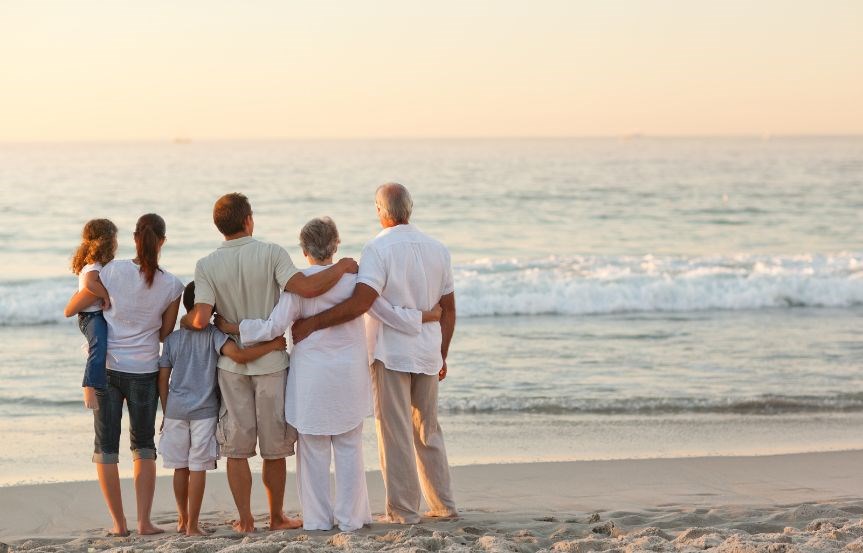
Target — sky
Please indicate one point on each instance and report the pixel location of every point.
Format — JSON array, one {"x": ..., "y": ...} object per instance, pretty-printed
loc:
[{"x": 159, "y": 70}]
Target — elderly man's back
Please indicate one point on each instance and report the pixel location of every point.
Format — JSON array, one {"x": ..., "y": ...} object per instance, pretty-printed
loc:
[{"x": 411, "y": 269}]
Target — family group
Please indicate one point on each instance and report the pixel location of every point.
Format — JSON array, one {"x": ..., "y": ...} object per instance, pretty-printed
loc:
[{"x": 362, "y": 338}]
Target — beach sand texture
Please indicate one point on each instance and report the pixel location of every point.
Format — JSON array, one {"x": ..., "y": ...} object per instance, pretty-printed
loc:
[{"x": 801, "y": 502}]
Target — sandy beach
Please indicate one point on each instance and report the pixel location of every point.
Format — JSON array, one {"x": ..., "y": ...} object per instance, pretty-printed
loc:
[{"x": 807, "y": 502}]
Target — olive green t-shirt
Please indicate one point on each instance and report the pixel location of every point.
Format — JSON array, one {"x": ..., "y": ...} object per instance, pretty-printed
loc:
[{"x": 243, "y": 279}]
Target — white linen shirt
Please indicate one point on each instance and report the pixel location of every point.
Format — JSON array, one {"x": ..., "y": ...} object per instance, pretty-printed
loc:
[
  {"x": 407, "y": 268},
  {"x": 135, "y": 317},
  {"x": 329, "y": 385}
]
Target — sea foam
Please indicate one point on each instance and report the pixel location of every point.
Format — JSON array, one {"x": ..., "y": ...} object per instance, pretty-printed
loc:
[{"x": 582, "y": 285}]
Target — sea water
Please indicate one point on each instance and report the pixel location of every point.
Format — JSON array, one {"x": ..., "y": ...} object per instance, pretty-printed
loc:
[{"x": 650, "y": 297}]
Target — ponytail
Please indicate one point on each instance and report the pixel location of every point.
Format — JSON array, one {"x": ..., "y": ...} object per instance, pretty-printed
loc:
[{"x": 149, "y": 231}]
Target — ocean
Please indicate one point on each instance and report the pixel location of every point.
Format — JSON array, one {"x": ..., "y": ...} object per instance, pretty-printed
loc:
[{"x": 647, "y": 297}]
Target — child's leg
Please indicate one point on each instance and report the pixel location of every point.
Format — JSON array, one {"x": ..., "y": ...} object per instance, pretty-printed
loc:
[
  {"x": 197, "y": 482},
  {"x": 181, "y": 494},
  {"x": 174, "y": 448},
  {"x": 352, "y": 509},
  {"x": 203, "y": 453},
  {"x": 95, "y": 329}
]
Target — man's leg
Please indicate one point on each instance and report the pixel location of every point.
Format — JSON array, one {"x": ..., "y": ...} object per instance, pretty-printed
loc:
[
  {"x": 429, "y": 445},
  {"x": 276, "y": 439},
  {"x": 313, "y": 481},
  {"x": 352, "y": 496},
  {"x": 395, "y": 443},
  {"x": 236, "y": 432}
]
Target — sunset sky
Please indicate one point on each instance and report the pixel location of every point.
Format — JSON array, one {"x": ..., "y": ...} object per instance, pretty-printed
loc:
[{"x": 129, "y": 70}]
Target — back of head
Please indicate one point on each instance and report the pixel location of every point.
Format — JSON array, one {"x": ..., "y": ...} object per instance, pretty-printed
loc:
[
  {"x": 189, "y": 296},
  {"x": 394, "y": 202},
  {"x": 230, "y": 212},
  {"x": 97, "y": 244},
  {"x": 149, "y": 232},
  {"x": 320, "y": 238}
]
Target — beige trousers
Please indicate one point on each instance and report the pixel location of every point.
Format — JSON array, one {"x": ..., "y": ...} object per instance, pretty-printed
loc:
[{"x": 410, "y": 444}]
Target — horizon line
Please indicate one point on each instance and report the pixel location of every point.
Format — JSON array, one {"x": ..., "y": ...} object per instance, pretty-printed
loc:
[{"x": 183, "y": 140}]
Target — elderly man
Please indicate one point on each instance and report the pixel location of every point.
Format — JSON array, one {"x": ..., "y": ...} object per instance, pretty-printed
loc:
[
  {"x": 409, "y": 269},
  {"x": 244, "y": 277}
]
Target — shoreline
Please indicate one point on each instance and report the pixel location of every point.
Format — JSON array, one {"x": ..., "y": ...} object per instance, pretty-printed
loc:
[{"x": 755, "y": 498}]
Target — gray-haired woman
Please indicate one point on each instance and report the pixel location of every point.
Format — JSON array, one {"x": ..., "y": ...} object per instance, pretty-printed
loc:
[{"x": 329, "y": 386}]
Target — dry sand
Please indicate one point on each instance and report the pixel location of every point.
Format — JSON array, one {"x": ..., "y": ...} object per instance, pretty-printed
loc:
[{"x": 804, "y": 502}]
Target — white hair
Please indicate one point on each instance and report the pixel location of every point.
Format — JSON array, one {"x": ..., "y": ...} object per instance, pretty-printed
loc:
[
  {"x": 320, "y": 238},
  {"x": 395, "y": 202}
]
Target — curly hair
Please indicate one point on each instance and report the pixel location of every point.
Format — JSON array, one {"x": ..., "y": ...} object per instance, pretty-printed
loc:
[
  {"x": 320, "y": 238},
  {"x": 97, "y": 244}
]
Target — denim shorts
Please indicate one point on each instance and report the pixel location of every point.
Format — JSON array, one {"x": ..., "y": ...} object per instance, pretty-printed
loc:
[
  {"x": 141, "y": 395},
  {"x": 95, "y": 329}
]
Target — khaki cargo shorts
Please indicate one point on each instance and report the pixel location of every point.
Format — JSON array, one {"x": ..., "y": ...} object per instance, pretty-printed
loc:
[{"x": 253, "y": 411}]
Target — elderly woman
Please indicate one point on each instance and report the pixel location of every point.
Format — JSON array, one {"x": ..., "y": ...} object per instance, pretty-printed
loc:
[{"x": 329, "y": 386}]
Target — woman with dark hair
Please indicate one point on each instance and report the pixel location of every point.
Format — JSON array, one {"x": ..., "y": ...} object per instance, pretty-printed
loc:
[{"x": 144, "y": 304}]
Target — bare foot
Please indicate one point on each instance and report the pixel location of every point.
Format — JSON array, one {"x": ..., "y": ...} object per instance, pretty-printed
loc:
[
  {"x": 119, "y": 530},
  {"x": 243, "y": 526},
  {"x": 284, "y": 522},
  {"x": 90, "y": 401},
  {"x": 148, "y": 529},
  {"x": 195, "y": 531}
]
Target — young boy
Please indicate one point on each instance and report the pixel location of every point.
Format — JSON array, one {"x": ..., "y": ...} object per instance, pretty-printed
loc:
[{"x": 190, "y": 407}]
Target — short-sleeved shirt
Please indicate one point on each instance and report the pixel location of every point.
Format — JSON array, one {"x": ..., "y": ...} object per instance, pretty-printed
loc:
[
  {"x": 192, "y": 390},
  {"x": 242, "y": 279},
  {"x": 409, "y": 269},
  {"x": 135, "y": 317},
  {"x": 97, "y": 305}
]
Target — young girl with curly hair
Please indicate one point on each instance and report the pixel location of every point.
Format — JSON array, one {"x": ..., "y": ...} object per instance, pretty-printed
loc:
[{"x": 97, "y": 248}]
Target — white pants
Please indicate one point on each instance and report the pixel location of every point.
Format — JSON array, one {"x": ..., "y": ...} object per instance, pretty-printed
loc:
[{"x": 351, "y": 509}]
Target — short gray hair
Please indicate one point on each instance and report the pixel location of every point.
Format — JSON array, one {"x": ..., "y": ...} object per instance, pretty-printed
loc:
[
  {"x": 395, "y": 202},
  {"x": 320, "y": 238}
]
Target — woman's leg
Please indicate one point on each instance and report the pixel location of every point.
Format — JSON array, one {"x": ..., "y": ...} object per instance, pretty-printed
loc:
[
  {"x": 106, "y": 423},
  {"x": 313, "y": 481},
  {"x": 142, "y": 400},
  {"x": 145, "y": 487},
  {"x": 109, "y": 482},
  {"x": 352, "y": 497}
]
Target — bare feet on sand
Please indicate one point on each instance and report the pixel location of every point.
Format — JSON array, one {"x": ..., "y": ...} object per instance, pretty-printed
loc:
[
  {"x": 181, "y": 524},
  {"x": 195, "y": 531},
  {"x": 284, "y": 522},
  {"x": 90, "y": 401},
  {"x": 148, "y": 529},
  {"x": 243, "y": 526},
  {"x": 119, "y": 530}
]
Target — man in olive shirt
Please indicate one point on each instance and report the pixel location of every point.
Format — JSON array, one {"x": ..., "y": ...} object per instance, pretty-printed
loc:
[{"x": 244, "y": 277}]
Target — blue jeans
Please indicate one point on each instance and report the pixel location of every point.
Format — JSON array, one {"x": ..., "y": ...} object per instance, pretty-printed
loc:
[
  {"x": 141, "y": 395},
  {"x": 95, "y": 329}
]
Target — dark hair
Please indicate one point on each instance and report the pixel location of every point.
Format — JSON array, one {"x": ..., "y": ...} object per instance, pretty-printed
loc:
[
  {"x": 189, "y": 296},
  {"x": 97, "y": 244},
  {"x": 148, "y": 232},
  {"x": 230, "y": 213}
]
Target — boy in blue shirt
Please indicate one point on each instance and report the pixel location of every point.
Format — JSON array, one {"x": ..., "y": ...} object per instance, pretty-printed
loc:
[{"x": 188, "y": 391}]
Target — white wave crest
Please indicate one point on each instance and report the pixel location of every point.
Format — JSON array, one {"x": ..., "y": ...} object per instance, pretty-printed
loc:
[
  {"x": 606, "y": 284},
  {"x": 582, "y": 285}
]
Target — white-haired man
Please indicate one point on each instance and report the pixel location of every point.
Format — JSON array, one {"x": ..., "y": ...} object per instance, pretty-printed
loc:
[{"x": 409, "y": 269}]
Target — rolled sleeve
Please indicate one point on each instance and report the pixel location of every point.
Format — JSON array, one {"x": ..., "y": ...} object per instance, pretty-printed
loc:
[
  {"x": 448, "y": 283},
  {"x": 204, "y": 291},
  {"x": 372, "y": 272},
  {"x": 284, "y": 267}
]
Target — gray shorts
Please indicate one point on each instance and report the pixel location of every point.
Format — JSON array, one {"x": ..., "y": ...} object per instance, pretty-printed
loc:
[{"x": 253, "y": 411}]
